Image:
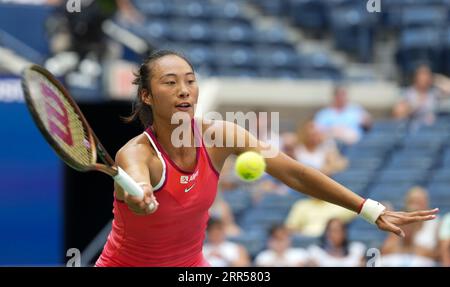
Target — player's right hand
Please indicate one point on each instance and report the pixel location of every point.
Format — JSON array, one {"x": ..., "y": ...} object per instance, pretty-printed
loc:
[{"x": 142, "y": 206}]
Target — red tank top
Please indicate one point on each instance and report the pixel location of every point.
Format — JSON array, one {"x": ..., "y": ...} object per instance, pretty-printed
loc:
[{"x": 174, "y": 234}]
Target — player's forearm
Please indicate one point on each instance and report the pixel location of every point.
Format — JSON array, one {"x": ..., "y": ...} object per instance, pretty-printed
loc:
[{"x": 318, "y": 185}]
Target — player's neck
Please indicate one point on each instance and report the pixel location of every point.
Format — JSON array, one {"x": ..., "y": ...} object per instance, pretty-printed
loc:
[{"x": 163, "y": 132}]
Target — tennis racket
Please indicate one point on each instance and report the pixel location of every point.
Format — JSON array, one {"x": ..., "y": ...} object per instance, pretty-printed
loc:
[{"x": 63, "y": 125}]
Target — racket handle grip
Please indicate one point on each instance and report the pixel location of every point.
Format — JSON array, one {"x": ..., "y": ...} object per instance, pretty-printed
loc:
[{"x": 128, "y": 184}]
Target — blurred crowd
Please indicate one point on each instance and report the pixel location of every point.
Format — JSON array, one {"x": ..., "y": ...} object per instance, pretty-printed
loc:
[{"x": 317, "y": 143}]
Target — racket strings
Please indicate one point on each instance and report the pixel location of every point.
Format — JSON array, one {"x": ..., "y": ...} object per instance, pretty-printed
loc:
[{"x": 62, "y": 121}]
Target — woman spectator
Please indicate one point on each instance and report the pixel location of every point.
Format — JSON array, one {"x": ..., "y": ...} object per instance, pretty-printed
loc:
[
  {"x": 421, "y": 100},
  {"x": 335, "y": 250},
  {"x": 423, "y": 235}
]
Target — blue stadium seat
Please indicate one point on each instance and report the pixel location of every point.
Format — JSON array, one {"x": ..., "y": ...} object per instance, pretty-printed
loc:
[
  {"x": 392, "y": 192},
  {"x": 254, "y": 242},
  {"x": 230, "y": 32},
  {"x": 300, "y": 241},
  {"x": 354, "y": 177},
  {"x": 420, "y": 38},
  {"x": 239, "y": 201},
  {"x": 276, "y": 57},
  {"x": 378, "y": 140},
  {"x": 190, "y": 31},
  {"x": 262, "y": 219},
  {"x": 405, "y": 176},
  {"x": 366, "y": 150},
  {"x": 231, "y": 10},
  {"x": 446, "y": 159},
  {"x": 389, "y": 127},
  {"x": 370, "y": 163},
  {"x": 441, "y": 176},
  {"x": 425, "y": 15},
  {"x": 357, "y": 187},
  {"x": 278, "y": 201},
  {"x": 154, "y": 30},
  {"x": 234, "y": 57},
  {"x": 199, "y": 55},
  {"x": 277, "y": 8},
  {"x": 400, "y": 162},
  {"x": 318, "y": 61},
  {"x": 157, "y": 8},
  {"x": 275, "y": 35},
  {"x": 193, "y": 9},
  {"x": 280, "y": 73},
  {"x": 311, "y": 14},
  {"x": 431, "y": 139},
  {"x": 412, "y": 151}
]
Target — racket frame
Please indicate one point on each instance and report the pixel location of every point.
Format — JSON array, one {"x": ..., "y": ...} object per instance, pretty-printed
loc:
[{"x": 97, "y": 148}]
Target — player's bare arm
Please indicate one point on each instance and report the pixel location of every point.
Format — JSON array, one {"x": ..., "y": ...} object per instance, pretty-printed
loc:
[
  {"x": 140, "y": 162},
  {"x": 314, "y": 183}
]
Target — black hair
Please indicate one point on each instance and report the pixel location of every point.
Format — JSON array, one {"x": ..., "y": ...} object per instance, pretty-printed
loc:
[
  {"x": 274, "y": 228},
  {"x": 324, "y": 240},
  {"x": 141, "y": 111},
  {"x": 214, "y": 222}
]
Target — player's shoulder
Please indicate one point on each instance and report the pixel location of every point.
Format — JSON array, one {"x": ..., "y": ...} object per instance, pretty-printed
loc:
[
  {"x": 136, "y": 149},
  {"x": 218, "y": 126}
]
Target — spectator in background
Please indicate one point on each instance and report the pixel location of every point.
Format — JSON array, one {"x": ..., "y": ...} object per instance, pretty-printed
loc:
[
  {"x": 343, "y": 121},
  {"x": 444, "y": 238},
  {"x": 317, "y": 151},
  {"x": 279, "y": 252},
  {"x": 422, "y": 238},
  {"x": 335, "y": 250},
  {"x": 220, "y": 252},
  {"x": 309, "y": 217},
  {"x": 404, "y": 253},
  {"x": 420, "y": 101}
]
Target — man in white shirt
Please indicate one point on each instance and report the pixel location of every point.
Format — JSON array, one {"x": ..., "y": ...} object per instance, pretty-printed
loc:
[{"x": 343, "y": 121}]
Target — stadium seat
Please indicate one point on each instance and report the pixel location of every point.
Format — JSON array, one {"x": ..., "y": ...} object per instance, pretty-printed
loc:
[
  {"x": 190, "y": 31},
  {"x": 425, "y": 15},
  {"x": 239, "y": 201},
  {"x": 369, "y": 163},
  {"x": 276, "y": 57},
  {"x": 405, "y": 176},
  {"x": 262, "y": 219},
  {"x": 354, "y": 176},
  {"x": 254, "y": 242},
  {"x": 309, "y": 14},
  {"x": 230, "y": 32},
  {"x": 400, "y": 162},
  {"x": 300, "y": 241},
  {"x": 234, "y": 56},
  {"x": 441, "y": 176}
]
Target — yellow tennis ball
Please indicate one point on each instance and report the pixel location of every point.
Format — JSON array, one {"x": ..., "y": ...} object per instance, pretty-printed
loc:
[{"x": 250, "y": 166}]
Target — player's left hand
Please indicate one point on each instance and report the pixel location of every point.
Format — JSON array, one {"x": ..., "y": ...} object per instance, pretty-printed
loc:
[{"x": 391, "y": 220}]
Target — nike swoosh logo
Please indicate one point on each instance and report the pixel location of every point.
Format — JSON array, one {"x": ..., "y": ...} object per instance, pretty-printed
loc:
[{"x": 189, "y": 188}]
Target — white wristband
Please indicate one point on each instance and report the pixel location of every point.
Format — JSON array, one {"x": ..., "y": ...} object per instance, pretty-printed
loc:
[{"x": 371, "y": 210}]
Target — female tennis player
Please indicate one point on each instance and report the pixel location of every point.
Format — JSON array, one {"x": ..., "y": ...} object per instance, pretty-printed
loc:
[{"x": 182, "y": 181}]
